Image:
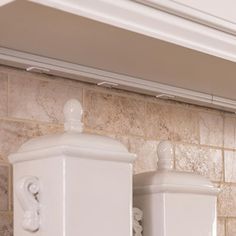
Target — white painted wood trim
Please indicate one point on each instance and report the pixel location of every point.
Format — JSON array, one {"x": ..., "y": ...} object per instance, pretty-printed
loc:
[
  {"x": 92, "y": 75},
  {"x": 182, "y": 10},
  {"x": 146, "y": 20}
]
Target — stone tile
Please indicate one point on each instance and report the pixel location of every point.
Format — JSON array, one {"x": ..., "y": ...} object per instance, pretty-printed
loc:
[
  {"x": 4, "y": 188},
  {"x": 146, "y": 151},
  {"x": 227, "y": 201},
  {"x": 13, "y": 134},
  {"x": 10, "y": 195},
  {"x": 185, "y": 123},
  {"x": 158, "y": 122},
  {"x": 3, "y": 94},
  {"x": 37, "y": 99},
  {"x": 115, "y": 114},
  {"x": 204, "y": 161},
  {"x": 231, "y": 227},
  {"x": 229, "y": 132},
  {"x": 211, "y": 129},
  {"x": 186, "y": 156},
  {"x": 221, "y": 227},
  {"x": 230, "y": 166},
  {"x": 172, "y": 123},
  {"x": 6, "y": 224}
]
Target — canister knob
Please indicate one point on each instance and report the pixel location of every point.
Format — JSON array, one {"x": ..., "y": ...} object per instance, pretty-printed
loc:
[
  {"x": 73, "y": 112},
  {"x": 165, "y": 155}
]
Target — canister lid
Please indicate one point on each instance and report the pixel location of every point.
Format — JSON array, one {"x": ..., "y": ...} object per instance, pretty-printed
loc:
[
  {"x": 166, "y": 180},
  {"x": 72, "y": 142}
]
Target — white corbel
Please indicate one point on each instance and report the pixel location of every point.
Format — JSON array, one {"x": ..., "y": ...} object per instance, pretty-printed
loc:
[{"x": 27, "y": 191}]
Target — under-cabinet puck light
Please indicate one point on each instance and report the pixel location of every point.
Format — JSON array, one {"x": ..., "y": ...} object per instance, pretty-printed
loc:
[{"x": 37, "y": 69}]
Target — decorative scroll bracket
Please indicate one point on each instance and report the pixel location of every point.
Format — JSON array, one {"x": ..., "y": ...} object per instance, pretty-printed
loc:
[
  {"x": 27, "y": 190},
  {"x": 137, "y": 218}
]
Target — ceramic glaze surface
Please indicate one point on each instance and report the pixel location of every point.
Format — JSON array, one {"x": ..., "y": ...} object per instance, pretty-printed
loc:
[
  {"x": 84, "y": 183},
  {"x": 175, "y": 203}
]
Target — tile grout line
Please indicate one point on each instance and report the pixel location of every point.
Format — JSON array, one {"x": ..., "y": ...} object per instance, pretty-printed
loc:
[
  {"x": 8, "y": 89},
  {"x": 9, "y": 181},
  {"x": 223, "y": 166},
  {"x": 10, "y": 188},
  {"x": 223, "y": 151},
  {"x": 225, "y": 225}
]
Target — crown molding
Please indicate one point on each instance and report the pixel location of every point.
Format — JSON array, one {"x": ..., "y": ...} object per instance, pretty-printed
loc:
[{"x": 187, "y": 11}]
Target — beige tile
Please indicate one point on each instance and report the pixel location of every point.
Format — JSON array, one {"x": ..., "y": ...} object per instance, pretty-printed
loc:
[
  {"x": 214, "y": 159},
  {"x": 229, "y": 132},
  {"x": 158, "y": 122},
  {"x": 185, "y": 125},
  {"x": 186, "y": 157},
  {"x": 4, "y": 188},
  {"x": 230, "y": 166},
  {"x": 227, "y": 201},
  {"x": 231, "y": 227},
  {"x": 172, "y": 123},
  {"x": 221, "y": 227},
  {"x": 3, "y": 94},
  {"x": 40, "y": 100},
  {"x": 6, "y": 224},
  {"x": 10, "y": 195},
  {"x": 204, "y": 161},
  {"x": 13, "y": 134},
  {"x": 211, "y": 129},
  {"x": 115, "y": 114},
  {"x": 146, "y": 151}
]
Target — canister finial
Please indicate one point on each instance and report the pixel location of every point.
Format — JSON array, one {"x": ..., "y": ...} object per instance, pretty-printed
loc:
[
  {"x": 165, "y": 155},
  {"x": 73, "y": 115}
]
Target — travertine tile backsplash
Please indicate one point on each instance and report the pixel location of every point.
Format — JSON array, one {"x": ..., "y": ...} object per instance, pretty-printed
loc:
[{"x": 204, "y": 139}]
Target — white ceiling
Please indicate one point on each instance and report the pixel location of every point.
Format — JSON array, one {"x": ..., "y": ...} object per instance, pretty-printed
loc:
[{"x": 43, "y": 31}]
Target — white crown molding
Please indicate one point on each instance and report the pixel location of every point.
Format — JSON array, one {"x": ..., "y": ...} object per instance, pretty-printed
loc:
[
  {"x": 178, "y": 8},
  {"x": 146, "y": 20},
  {"x": 92, "y": 75}
]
